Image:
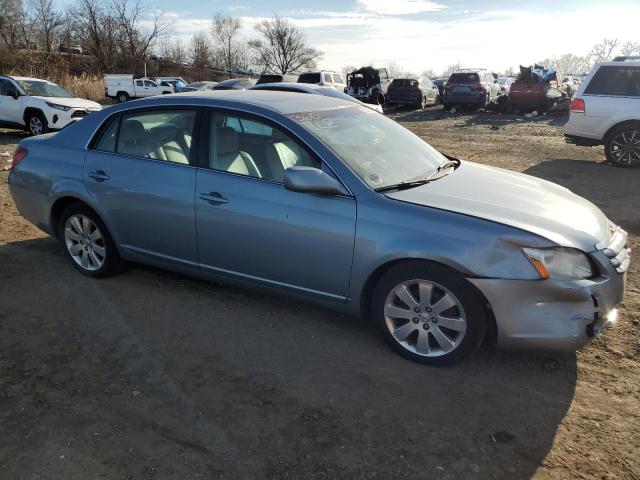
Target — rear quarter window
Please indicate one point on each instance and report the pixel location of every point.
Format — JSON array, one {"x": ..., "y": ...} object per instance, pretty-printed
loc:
[
  {"x": 615, "y": 80},
  {"x": 107, "y": 138}
]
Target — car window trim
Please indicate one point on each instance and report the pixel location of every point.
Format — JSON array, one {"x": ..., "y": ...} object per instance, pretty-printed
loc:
[
  {"x": 193, "y": 150},
  {"x": 202, "y": 161}
]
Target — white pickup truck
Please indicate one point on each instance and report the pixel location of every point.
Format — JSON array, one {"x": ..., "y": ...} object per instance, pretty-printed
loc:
[{"x": 125, "y": 87}]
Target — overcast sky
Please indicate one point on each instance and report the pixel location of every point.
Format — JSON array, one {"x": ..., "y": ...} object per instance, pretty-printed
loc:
[{"x": 421, "y": 34}]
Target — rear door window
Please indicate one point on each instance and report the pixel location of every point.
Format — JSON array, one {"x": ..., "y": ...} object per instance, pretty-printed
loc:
[
  {"x": 158, "y": 134},
  {"x": 615, "y": 80}
]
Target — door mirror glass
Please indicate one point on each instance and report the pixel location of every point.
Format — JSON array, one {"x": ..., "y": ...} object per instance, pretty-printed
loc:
[
  {"x": 312, "y": 180},
  {"x": 12, "y": 92}
]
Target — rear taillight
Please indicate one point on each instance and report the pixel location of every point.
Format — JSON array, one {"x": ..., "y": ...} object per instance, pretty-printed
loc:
[
  {"x": 477, "y": 86},
  {"x": 577, "y": 105},
  {"x": 447, "y": 86},
  {"x": 18, "y": 156}
]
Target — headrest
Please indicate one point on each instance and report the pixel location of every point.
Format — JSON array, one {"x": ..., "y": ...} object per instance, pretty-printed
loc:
[
  {"x": 132, "y": 131},
  {"x": 227, "y": 140}
]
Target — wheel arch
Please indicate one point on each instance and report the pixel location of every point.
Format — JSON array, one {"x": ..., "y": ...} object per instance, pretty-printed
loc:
[
  {"x": 30, "y": 110},
  {"x": 63, "y": 201},
  {"x": 370, "y": 283},
  {"x": 608, "y": 133}
]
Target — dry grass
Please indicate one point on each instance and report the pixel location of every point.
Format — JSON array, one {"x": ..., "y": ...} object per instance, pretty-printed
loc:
[{"x": 86, "y": 86}]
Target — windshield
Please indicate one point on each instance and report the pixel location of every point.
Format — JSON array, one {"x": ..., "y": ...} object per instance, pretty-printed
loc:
[
  {"x": 43, "y": 89},
  {"x": 380, "y": 151}
]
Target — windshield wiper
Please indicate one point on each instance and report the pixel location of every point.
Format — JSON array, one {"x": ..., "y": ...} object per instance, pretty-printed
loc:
[
  {"x": 452, "y": 162},
  {"x": 403, "y": 185}
]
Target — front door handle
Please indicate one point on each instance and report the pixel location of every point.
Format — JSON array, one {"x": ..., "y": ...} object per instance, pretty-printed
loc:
[
  {"x": 214, "y": 198},
  {"x": 99, "y": 176}
]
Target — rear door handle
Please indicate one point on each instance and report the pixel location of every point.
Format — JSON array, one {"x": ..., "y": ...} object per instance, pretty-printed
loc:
[
  {"x": 99, "y": 176},
  {"x": 214, "y": 198}
]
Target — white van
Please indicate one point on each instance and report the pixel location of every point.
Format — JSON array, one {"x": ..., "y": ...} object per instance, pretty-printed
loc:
[{"x": 325, "y": 79}]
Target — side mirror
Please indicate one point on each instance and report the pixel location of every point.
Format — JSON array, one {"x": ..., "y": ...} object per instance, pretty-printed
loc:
[
  {"x": 312, "y": 180},
  {"x": 13, "y": 93}
]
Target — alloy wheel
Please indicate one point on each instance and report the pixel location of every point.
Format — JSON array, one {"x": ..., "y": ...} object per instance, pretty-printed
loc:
[
  {"x": 85, "y": 242},
  {"x": 35, "y": 125},
  {"x": 425, "y": 318},
  {"x": 625, "y": 148}
]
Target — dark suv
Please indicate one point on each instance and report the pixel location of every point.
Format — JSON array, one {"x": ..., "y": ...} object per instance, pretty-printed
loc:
[{"x": 474, "y": 87}]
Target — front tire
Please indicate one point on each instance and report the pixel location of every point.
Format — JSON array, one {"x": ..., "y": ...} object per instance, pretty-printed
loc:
[
  {"x": 622, "y": 146},
  {"x": 87, "y": 242},
  {"x": 37, "y": 124},
  {"x": 428, "y": 313}
]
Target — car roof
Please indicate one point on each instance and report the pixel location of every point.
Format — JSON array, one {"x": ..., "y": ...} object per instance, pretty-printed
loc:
[
  {"x": 281, "y": 102},
  {"x": 28, "y": 79},
  {"x": 296, "y": 85},
  {"x": 617, "y": 63}
]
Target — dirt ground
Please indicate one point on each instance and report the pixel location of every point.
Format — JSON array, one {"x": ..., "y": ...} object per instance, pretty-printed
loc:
[{"x": 156, "y": 375}]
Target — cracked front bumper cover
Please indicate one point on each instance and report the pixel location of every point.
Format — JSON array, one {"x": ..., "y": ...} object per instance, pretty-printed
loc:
[{"x": 548, "y": 314}]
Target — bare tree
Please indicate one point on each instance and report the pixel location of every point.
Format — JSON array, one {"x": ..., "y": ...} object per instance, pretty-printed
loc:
[
  {"x": 98, "y": 31},
  {"x": 10, "y": 21},
  {"x": 603, "y": 51},
  {"x": 630, "y": 49},
  {"x": 200, "y": 52},
  {"x": 173, "y": 50},
  {"x": 450, "y": 69},
  {"x": 135, "y": 44},
  {"x": 428, "y": 73},
  {"x": 47, "y": 20},
  {"x": 224, "y": 30},
  {"x": 283, "y": 47},
  {"x": 567, "y": 64}
]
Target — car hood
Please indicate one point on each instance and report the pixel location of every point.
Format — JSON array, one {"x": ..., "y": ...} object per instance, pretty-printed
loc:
[
  {"x": 514, "y": 199},
  {"x": 72, "y": 102}
]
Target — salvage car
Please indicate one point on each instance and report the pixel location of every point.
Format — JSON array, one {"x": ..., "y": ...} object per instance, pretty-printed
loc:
[
  {"x": 368, "y": 84},
  {"x": 325, "y": 200},
  {"x": 474, "y": 87},
  {"x": 606, "y": 111},
  {"x": 419, "y": 93}
]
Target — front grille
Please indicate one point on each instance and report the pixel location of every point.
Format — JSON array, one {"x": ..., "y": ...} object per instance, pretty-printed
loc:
[
  {"x": 79, "y": 114},
  {"x": 616, "y": 249}
]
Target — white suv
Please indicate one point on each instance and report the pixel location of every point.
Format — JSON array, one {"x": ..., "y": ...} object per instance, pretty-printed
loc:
[
  {"x": 39, "y": 105},
  {"x": 606, "y": 111},
  {"x": 324, "y": 79}
]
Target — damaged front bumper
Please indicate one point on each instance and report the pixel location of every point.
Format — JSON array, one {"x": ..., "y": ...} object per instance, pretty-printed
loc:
[{"x": 555, "y": 314}]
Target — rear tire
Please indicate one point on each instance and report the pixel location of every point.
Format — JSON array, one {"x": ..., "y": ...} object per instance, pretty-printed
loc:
[
  {"x": 87, "y": 242},
  {"x": 429, "y": 313},
  {"x": 122, "y": 97},
  {"x": 622, "y": 146}
]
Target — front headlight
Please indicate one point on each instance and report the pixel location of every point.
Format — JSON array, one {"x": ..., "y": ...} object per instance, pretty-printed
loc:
[
  {"x": 559, "y": 263},
  {"x": 64, "y": 108}
]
